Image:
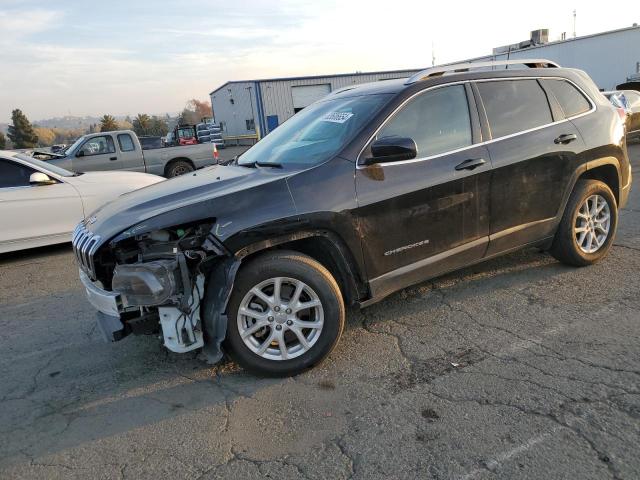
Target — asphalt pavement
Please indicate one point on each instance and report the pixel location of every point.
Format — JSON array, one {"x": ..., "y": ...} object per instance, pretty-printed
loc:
[{"x": 519, "y": 367}]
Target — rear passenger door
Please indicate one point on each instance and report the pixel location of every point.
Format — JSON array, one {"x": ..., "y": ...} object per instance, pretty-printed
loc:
[
  {"x": 534, "y": 151},
  {"x": 130, "y": 155}
]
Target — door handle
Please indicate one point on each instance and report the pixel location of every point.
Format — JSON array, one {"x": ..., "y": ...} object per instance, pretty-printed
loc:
[
  {"x": 113, "y": 158},
  {"x": 566, "y": 138},
  {"x": 471, "y": 164}
]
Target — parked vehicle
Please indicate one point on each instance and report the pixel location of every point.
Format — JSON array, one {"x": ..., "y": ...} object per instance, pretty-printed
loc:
[
  {"x": 373, "y": 188},
  {"x": 40, "y": 204},
  {"x": 185, "y": 135},
  {"x": 632, "y": 98},
  {"x": 58, "y": 148},
  {"x": 121, "y": 150}
]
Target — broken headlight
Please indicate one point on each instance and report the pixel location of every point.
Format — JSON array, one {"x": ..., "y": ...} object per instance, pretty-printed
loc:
[{"x": 148, "y": 283}]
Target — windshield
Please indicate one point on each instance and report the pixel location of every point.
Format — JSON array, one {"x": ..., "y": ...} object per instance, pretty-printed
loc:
[
  {"x": 72, "y": 149},
  {"x": 45, "y": 166},
  {"x": 316, "y": 133}
]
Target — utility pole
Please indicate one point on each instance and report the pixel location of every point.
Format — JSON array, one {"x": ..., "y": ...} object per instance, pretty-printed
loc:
[{"x": 574, "y": 23}]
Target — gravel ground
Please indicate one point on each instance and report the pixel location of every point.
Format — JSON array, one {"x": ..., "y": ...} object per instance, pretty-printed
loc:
[{"x": 517, "y": 368}]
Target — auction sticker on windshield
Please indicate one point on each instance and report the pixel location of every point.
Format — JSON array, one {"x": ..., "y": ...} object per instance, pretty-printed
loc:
[{"x": 337, "y": 117}]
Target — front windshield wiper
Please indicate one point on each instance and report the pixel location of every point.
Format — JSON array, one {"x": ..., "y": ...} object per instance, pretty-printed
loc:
[
  {"x": 260, "y": 164},
  {"x": 269, "y": 164}
]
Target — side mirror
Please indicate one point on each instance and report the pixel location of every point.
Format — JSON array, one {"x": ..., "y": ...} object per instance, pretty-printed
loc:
[
  {"x": 80, "y": 153},
  {"x": 392, "y": 149},
  {"x": 38, "y": 178}
]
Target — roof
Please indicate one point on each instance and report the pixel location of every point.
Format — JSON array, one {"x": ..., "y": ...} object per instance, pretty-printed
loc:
[{"x": 312, "y": 77}]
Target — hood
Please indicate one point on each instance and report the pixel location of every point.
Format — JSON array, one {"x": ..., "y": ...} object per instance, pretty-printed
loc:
[
  {"x": 116, "y": 176},
  {"x": 191, "y": 197}
]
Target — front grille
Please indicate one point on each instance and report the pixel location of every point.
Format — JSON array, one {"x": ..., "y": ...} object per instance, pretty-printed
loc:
[{"x": 85, "y": 244}]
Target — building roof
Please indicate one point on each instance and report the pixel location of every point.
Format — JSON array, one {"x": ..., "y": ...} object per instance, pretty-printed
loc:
[{"x": 312, "y": 77}]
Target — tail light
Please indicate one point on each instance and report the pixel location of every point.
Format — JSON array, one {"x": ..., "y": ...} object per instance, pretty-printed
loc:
[
  {"x": 216, "y": 155},
  {"x": 622, "y": 113}
]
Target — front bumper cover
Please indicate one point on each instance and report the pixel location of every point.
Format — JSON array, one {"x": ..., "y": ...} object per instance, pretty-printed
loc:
[{"x": 109, "y": 306}]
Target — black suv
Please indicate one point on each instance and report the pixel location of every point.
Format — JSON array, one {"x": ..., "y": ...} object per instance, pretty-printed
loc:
[{"x": 372, "y": 189}]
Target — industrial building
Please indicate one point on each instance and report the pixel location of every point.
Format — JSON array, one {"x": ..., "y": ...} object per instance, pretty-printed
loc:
[
  {"x": 255, "y": 107},
  {"x": 612, "y": 59}
]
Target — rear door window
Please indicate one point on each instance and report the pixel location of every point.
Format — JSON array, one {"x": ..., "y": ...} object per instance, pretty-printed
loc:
[
  {"x": 514, "y": 106},
  {"x": 126, "y": 143},
  {"x": 437, "y": 120},
  {"x": 572, "y": 101}
]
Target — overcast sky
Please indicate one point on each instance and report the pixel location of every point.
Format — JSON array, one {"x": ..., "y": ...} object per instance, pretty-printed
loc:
[{"x": 123, "y": 57}]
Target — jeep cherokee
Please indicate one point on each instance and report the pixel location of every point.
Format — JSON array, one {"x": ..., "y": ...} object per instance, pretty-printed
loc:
[{"x": 373, "y": 188}]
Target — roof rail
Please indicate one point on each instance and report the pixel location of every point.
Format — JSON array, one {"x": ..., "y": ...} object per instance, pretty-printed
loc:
[{"x": 465, "y": 67}]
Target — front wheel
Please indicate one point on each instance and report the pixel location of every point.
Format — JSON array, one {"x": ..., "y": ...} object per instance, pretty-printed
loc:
[
  {"x": 285, "y": 314},
  {"x": 588, "y": 226}
]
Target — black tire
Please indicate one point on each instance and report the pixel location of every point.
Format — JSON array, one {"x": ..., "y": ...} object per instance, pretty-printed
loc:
[
  {"x": 178, "y": 167},
  {"x": 565, "y": 244},
  {"x": 304, "y": 269}
]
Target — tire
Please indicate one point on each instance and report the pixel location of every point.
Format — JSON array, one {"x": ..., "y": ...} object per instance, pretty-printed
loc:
[
  {"x": 570, "y": 246},
  {"x": 325, "y": 316},
  {"x": 178, "y": 167}
]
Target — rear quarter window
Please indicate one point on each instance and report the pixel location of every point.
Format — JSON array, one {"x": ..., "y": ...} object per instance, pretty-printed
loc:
[
  {"x": 572, "y": 101},
  {"x": 513, "y": 106}
]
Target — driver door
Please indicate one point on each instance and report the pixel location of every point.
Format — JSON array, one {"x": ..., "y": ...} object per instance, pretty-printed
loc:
[
  {"x": 34, "y": 215},
  {"x": 97, "y": 153},
  {"x": 422, "y": 217}
]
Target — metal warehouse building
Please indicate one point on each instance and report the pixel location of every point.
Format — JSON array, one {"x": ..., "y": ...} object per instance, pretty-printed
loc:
[
  {"x": 611, "y": 58},
  {"x": 256, "y": 107}
]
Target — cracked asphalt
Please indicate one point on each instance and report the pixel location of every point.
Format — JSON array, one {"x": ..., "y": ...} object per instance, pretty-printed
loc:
[{"x": 516, "y": 368}]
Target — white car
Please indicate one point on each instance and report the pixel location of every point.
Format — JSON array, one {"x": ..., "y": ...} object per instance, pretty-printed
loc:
[{"x": 40, "y": 204}]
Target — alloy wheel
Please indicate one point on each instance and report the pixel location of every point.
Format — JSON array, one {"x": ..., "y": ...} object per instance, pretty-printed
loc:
[
  {"x": 280, "y": 318},
  {"x": 593, "y": 223}
]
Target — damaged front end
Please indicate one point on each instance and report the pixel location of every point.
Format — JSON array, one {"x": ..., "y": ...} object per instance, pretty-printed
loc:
[{"x": 154, "y": 282}]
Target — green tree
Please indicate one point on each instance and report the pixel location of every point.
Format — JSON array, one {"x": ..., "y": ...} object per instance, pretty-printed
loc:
[
  {"x": 21, "y": 132},
  {"x": 3, "y": 141},
  {"x": 108, "y": 124},
  {"x": 158, "y": 127},
  {"x": 142, "y": 124}
]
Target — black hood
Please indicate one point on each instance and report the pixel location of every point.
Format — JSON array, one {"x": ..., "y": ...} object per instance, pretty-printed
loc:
[{"x": 236, "y": 197}]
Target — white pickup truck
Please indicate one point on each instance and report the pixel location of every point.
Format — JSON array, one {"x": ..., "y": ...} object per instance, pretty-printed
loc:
[{"x": 121, "y": 150}]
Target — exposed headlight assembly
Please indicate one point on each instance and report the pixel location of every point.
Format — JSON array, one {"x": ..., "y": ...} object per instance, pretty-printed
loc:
[{"x": 147, "y": 284}]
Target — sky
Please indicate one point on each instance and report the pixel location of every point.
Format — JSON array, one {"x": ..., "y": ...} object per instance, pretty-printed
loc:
[{"x": 74, "y": 57}]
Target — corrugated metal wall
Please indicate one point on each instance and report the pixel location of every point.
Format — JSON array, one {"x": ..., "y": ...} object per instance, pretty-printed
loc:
[
  {"x": 608, "y": 58},
  {"x": 234, "y": 115},
  {"x": 277, "y": 98}
]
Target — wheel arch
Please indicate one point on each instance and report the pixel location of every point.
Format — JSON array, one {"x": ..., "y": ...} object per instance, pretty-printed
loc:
[
  {"x": 177, "y": 159},
  {"x": 325, "y": 247},
  {"x": 607, "y": 170}
]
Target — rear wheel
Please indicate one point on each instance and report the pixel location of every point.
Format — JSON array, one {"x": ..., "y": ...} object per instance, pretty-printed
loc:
[
  {"x": 178, "y": 167},
  {"x": 588, "y": 225},
  {"x": 285, "y": 314}
]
